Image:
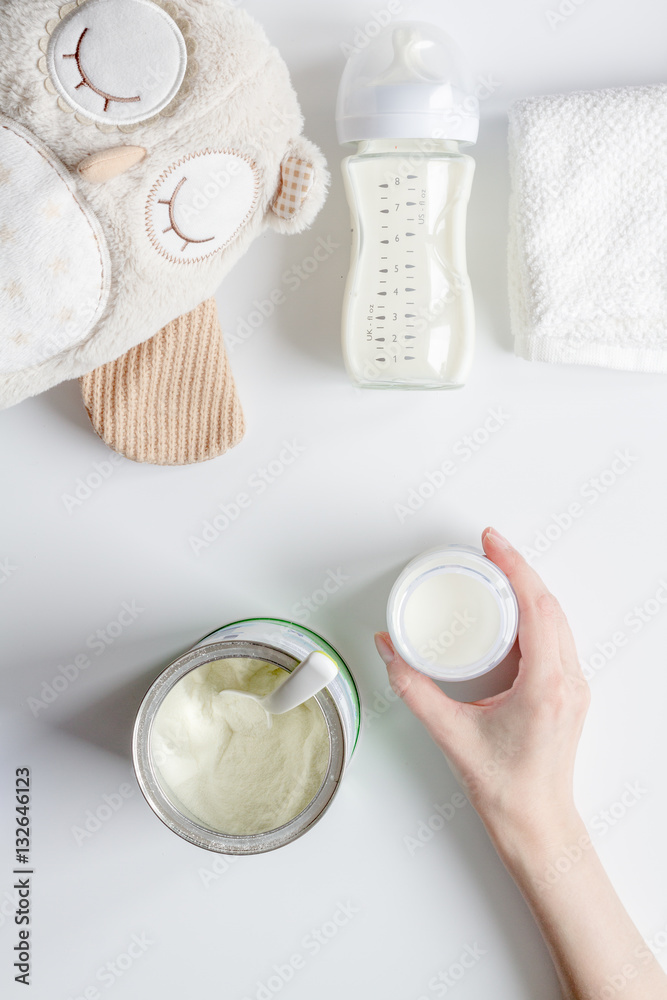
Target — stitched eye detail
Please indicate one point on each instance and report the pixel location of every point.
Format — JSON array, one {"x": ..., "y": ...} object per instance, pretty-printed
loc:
[
  {"x": 117, "y": 62},
  {"x": 173, "y": 227},
  {"x": 85, "y": 82},
  {"x": 210, "y": 191}
]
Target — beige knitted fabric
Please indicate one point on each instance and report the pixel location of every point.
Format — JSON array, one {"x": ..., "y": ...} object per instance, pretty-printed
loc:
[{"x": 171, "y": 400}]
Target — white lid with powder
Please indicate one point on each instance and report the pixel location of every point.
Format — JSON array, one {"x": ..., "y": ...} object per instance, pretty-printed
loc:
[{"x": 452, "y": 613}]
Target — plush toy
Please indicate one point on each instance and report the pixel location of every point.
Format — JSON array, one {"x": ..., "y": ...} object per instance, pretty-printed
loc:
[{"x": 143, "y": 146}]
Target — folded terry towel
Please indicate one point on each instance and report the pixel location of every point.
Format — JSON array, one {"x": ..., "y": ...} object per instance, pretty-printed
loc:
[{"x": 588, "y": 228}]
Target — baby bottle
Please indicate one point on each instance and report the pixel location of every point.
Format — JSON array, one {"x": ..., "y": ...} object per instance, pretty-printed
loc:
[{"x": 408, "y": 315}]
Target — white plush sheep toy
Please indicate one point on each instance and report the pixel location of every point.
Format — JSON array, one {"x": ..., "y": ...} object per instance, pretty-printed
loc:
[{"x": 143, "y": 146}]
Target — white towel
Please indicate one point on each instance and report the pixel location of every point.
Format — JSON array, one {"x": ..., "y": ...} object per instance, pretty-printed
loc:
[{"x": 588, "y": 228}]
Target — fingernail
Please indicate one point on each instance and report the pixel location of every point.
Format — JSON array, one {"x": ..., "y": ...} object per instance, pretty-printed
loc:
[
  {"x": 497, "y": 538},
  {"x": 384, "y": 647}
]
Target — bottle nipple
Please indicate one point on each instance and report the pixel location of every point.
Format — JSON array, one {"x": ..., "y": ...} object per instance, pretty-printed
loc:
[
  {"x": 408, "y": 65},
  {"x": 411, "y": 82}
]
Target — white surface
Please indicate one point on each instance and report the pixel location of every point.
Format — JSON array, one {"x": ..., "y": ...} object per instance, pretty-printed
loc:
[{"x": 331, "y": 511}]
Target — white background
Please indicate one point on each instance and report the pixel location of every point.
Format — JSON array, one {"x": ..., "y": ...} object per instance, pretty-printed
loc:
[{"x": 333, "y": 509}]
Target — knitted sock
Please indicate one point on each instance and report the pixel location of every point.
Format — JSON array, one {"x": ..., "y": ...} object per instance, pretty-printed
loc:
[{"x": 171, "y": 400}]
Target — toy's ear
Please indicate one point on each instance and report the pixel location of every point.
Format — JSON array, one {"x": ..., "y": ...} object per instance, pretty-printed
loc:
[{"x": 301, "y": 187}]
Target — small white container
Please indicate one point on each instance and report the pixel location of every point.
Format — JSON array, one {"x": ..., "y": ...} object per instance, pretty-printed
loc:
[{"x": 452, "y": 614}]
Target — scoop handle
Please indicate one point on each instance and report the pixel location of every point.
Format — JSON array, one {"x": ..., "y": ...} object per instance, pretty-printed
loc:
[{"x": 309, "y": 677}]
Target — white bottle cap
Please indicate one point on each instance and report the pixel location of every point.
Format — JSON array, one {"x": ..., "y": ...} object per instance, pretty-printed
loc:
[{"x": 411, "y": 82}]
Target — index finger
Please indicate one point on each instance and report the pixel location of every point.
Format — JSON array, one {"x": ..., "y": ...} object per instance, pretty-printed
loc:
[{"x": 538, "y": 608}]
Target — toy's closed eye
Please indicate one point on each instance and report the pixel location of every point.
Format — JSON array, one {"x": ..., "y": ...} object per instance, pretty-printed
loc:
[
  {"x": 207, "y": 192},
  {"x": 86, "y": 82},
  {"x": 118, "y": 62},
  {"x": 173, "y": 226}
]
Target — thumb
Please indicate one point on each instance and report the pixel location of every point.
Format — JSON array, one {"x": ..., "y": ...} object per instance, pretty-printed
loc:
[{"x": 442, "y": 716}]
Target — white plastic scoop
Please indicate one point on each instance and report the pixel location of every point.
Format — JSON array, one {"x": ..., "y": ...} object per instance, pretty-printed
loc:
[{"x": 309, "y": 677}]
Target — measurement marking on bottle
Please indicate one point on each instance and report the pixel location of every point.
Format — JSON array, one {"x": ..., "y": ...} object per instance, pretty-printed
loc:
[{"x": 392, "y": 330}]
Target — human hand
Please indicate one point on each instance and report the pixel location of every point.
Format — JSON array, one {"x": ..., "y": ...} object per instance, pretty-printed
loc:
[{"x": 514, "y": 753}]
